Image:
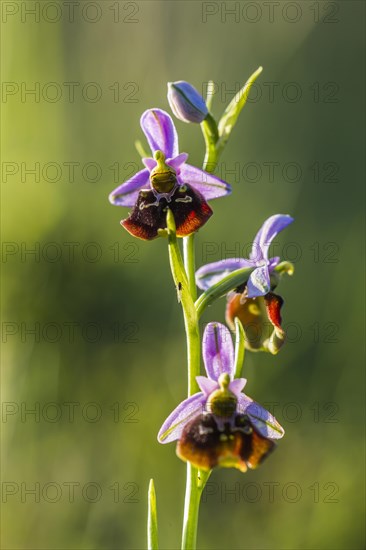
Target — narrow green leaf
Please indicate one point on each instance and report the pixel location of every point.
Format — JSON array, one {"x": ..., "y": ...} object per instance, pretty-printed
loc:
[
  {"x": 239, "y": 348},
  {"x": 152, "y": 521},
  {"x": 232, "y": 111},
  {"x": 235, "y": 279}
]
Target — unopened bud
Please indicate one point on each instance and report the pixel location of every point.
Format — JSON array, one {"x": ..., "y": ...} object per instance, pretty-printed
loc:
[{"x": 186, "y": 103}]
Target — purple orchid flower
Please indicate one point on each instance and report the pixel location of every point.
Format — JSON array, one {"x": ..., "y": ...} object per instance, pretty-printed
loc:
[
  {"x": 258, "y": 283},
  {"x": 166, "y": 181},
  {"x": 221, "y": 411}
]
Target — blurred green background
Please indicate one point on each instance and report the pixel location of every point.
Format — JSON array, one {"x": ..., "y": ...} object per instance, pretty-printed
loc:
[{"x": 105, "y": 363}]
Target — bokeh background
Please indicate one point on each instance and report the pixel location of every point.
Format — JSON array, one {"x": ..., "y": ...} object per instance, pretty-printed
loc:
[{"x": 92, "y": 334}]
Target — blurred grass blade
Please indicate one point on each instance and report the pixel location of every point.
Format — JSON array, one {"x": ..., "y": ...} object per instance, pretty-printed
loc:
[
  {"x": 152, "y": 520},
  {"x": 140, "y": 149},
  {"x": 239, "y": 348},
  {"x": 232, "y": 111}
]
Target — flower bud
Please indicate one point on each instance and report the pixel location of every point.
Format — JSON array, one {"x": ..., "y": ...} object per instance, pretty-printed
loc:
[{"x": 186, "y": 103}]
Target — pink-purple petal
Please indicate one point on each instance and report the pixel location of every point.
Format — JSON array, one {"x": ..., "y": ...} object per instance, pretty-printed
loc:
[
  {"x": 262, "y": 420},
  {"x": 160, "y": 132},
  {"x": 177, "y": 162},
  {"x": 259, "y": 282},
  {"x": 206, "y": 385},
  {"x": 212, "y": 273},
  {"x": 149, "y": 163},
  {"x": 269, "y": 230},
  {"x": 208, "y": 185},
  {"x": 126, "y": 193},
  {"x": 174, "y": 424},
  {"x": 218, "y": 351},
  {"x": 237, "y": 385}
]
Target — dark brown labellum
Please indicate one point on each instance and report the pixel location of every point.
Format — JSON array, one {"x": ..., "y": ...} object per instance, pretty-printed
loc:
[
  {"x": 239, "y": 446},
  {"x": 189, "y": 208}
]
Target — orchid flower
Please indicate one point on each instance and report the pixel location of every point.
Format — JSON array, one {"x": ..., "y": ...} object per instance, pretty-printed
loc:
[
  {"x": 166, "y": 181},
  {"x": 220, "y": 425},
  {"x": 259, "y": 282},
  {"x": 254, "y": 303}
]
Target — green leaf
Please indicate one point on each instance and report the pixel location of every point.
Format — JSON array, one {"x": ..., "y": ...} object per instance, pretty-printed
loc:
[
  {"x": 235, "y": 279},
  {"x": 152, "y": 521},
  {"x": 232, "y": 111},
  {"x": 239, "y": 348}
]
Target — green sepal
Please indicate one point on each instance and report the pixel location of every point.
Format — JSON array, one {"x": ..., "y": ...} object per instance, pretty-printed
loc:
[
  {"x": 231, "y": 281},
  {"x": 239, "y": 348},
  {"x": 232, "y": 111},
  {"x": 285, "y": 267},
  {"x": 152, "y": 520}
]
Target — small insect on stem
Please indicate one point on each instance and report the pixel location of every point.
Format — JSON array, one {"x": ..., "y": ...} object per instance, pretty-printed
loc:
[{"x": 179, "y": 291}]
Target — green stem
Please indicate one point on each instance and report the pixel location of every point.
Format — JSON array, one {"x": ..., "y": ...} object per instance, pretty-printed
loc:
[
  {"x": 196, "y": 481},
  {"x": 190, "y": 264},
  {"x": 193, "y": 491},
  {"x": 191, "y": 509},
  {"x": 189, "y": 311},
  {"x": 211, "y": 136}
]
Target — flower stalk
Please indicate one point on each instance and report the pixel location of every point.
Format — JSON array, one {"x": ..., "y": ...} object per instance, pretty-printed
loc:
[
  {"x": 184, "y": 279},
  {"x": 196, "y": 479}
]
